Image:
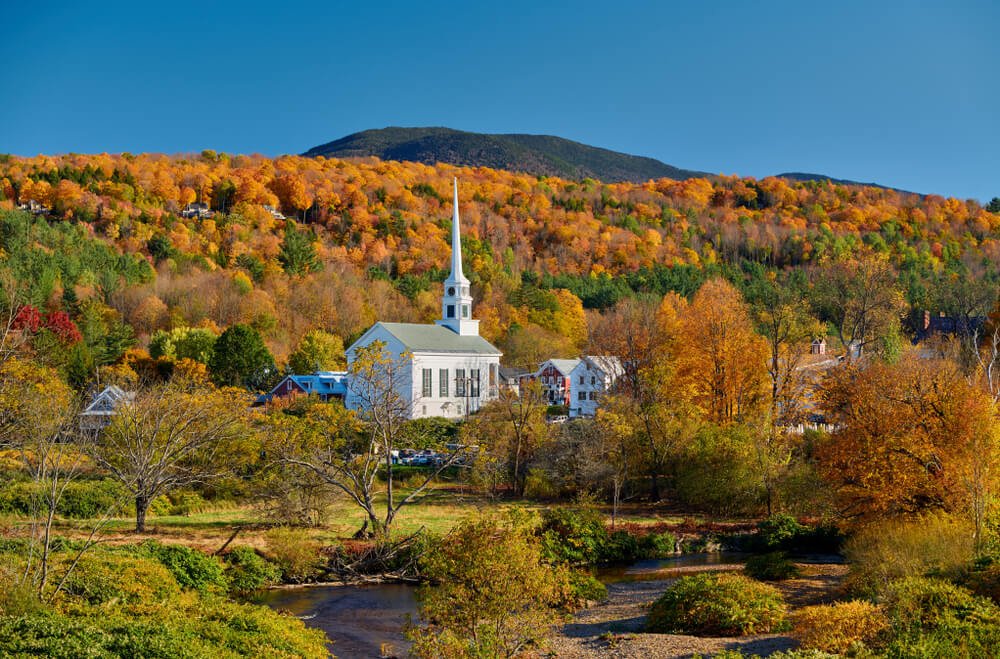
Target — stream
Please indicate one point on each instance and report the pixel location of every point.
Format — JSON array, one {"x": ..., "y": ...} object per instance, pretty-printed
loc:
[{"x": 367, "y": 620}]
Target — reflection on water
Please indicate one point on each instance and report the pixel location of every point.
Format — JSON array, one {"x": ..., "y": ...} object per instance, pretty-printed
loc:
[
  {"x": 361, "y": 620},
  {"x": 663, "y": 568}
]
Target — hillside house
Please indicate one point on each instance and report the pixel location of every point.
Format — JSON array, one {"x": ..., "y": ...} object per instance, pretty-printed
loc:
[
  {"x": 102, "y": 408},
  {"x": 198, "y": 210}
]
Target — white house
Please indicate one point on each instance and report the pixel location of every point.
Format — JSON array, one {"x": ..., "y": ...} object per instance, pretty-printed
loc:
[
  {"x": 445, "y": 369},
  {"x": 590, "y": 379},
  {"x": 97, "y": 415}
]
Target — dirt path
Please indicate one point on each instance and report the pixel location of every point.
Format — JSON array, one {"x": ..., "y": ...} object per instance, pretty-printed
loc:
[{"x": 613, "y": 628}]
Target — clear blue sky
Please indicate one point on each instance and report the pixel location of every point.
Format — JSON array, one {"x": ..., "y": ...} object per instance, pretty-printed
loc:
[{"x": 902, "y": 93}]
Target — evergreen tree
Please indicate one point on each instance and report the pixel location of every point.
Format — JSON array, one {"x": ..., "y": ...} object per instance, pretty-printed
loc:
[
  {"x": 241, "y": 359},
  {"x": 298, "y": 254}
]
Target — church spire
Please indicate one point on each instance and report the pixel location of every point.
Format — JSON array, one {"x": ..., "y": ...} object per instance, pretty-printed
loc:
[
  {"x": 456, "y": 241},
  {"x": 456, "y": 303}
]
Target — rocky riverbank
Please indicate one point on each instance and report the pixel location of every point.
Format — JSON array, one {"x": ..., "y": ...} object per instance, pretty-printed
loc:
[{"x": 613, "y": 628}]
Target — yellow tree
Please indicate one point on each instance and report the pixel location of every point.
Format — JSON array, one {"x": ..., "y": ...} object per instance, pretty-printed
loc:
[
  {"x": 910, "y": 437},
  {"x": 720, "y": 359}
]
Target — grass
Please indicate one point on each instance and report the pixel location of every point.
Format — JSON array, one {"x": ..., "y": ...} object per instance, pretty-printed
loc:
[{"x": 436, "y": 510}]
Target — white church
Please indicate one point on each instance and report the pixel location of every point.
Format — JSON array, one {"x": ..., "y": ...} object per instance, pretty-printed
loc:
[{"x": 447, "y": 369}]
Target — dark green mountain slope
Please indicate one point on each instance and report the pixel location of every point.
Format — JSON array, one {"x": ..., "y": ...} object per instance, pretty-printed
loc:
[{"x": 534, "y": 154}]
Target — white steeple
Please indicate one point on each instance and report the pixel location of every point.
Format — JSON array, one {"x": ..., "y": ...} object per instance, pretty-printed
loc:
[{"x": 456, "y": 303}]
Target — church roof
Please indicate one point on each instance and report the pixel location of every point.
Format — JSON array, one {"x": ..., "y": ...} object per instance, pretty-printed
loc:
[{"x": 435, "y": 338}]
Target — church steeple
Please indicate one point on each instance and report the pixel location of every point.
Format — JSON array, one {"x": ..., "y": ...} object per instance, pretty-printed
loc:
[
  {"x": 456, "y": 241},
  {"x": 456, "y": 303}
]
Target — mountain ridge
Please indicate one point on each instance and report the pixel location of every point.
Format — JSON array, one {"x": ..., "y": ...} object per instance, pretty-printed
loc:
[{"x": 539, "y": 155}]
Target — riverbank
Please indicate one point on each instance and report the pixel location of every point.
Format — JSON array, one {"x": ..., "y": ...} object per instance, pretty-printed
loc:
[{"x": 613, "y": 628}]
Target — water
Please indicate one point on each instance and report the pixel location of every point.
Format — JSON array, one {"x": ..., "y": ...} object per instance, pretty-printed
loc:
[
  {"x": 361, "y": 620},
  {"x": 365, "y": 620},
  {"x": 664, "y": 568}
]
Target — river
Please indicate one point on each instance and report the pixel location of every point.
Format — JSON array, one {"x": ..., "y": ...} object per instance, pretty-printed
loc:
[{"x": 367, "y": 621}]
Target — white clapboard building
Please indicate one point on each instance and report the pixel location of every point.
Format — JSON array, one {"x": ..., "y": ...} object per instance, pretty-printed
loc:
[
  {"x": 445, "y": 369},
  {"x": 591, "y": 378}
]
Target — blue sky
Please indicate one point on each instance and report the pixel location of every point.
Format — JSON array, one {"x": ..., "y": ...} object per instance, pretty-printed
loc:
[{"x": 902, "y": 93}]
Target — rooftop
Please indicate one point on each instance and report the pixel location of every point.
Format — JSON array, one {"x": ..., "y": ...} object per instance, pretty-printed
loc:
[{"x": 435, "y": 338}]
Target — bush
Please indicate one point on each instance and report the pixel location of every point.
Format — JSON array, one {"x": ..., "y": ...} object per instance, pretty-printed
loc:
[
  {"x": 718, "y": 605},
  {"x": 921, "y": 602},
  {"x": 296, "y": 554},
  {"x": 104, "y": 576},
  {"x": 491, "y": 593},
  {"x": 779, "y": 531},
  {"x": 585, "y": 587},
  {"x": 573, "y": 536},
  {"x": 934, "y": 618},
  {"x": 838, "y": 627},
  {"x": 773, "y": 566},
  {"x": 247, "y": 571},
  {"x": 657, "y": 545},
  {"x": 88, "y": 499},
  {"x": 718, "y": 472},
  {"x": 190, "y": 567},
  {"x": 882, "y": 553}
]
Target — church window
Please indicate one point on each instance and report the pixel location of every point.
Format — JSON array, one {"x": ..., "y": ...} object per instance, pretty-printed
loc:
[
  {"x": 474, "y": 383},
  {"x": 427, "y": 393},
  {"x": 460, "y": 382},
  {"x": 593, "y": 395},
  {"x": 582, "y": 395},
  {"x": 451, "y": 290},
  {"x": 465, "y": 311},
  {"x": 451, "y": 310},
  {"x": 581, "y": 379},
  {"x": 593, "y": 380},
  {"x": 493, "y": 375},
  {"x": 443, "y": 382}
]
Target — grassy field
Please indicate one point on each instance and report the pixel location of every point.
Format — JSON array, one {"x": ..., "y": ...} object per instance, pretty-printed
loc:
[{"x": 436, "y": 510}]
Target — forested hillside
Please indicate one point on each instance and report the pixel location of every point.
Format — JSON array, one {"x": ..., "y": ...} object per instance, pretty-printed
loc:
[
  {"x": 544, "y": 155},
  {"x": 371, "y": 240}
]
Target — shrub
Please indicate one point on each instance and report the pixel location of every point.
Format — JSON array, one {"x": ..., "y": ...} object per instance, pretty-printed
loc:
[
  {"x": 190, "y": 567},
  {"x": 928, "y": 602},
  {"x": 491, "y": 592},
  {"x": 882, "y": 553},
  {"x": 104, "y": 576},
  {"x": 87, "y": 499},
  {"x": 657, "y": 545},
  {"x": 585, "y": 587},
  {"x": 838, "y": 627},
  {"x": 773, "y": 566},
  {"x": 934, "y": 618},
  {"x": 573, "y": 536},
  {"x": 296, "y": 554},
  {"x": 712, "y": 604},
  {"x": 779, "y": 531},
  {"x": 247, "y": 571},
  {"x": 620, "y": 547}
]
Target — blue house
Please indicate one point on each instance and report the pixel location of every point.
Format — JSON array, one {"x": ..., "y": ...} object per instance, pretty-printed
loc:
[{"x": 327, "y": 385}]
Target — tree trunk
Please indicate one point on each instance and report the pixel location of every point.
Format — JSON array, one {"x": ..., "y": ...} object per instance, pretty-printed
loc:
[{"x": 141, "y": 506}]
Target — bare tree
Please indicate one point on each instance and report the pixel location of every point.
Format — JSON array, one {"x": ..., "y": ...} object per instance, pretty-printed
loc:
[
  {"x": 352, "y": 455},
  {"x": 173, "y": 435},
  {"x": 42, "y": 429}
]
